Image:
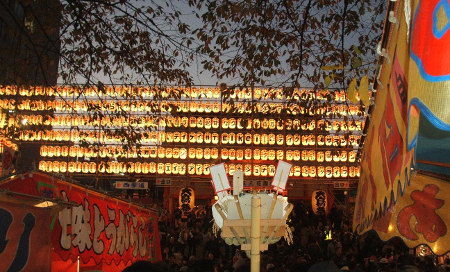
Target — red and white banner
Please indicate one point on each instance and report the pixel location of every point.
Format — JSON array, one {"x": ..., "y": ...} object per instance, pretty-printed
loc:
[
  {"x": 25, "y": 238},
  {"x": 94, "y": 225}
]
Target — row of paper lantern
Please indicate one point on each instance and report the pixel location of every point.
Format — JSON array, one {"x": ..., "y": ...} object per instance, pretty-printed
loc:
[
  {"x": 198, "y": 153},
  {"x": 184, "y": 92},
  {"x": 194, "y": 169},
  {"x": 139, "y": 106},
  {"x": 142, "y": 121},
  {"x": 155, "y": 137}
]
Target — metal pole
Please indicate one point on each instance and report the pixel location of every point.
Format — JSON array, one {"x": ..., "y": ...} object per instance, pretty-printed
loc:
[{"x": 255, "y": 233}]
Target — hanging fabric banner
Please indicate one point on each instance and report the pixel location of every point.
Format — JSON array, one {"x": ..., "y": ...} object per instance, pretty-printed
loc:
[{"x": 408, "y": 138}]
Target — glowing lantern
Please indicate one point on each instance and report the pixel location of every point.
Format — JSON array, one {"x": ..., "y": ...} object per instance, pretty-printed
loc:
[
  {"x": 85, "y": 167},
  {"x": 231, "y": 138},
  {"x": 239, "y": 138},
  {"x": 191, "y": 169},
  {"x": 248, "y": 169},
  {"x": 43, "y": 166},
  {"x": 225, "y": 123},
  {"x": 319, "y": 202},
  {"x": 153, "y": 152},
  {"x": 264, "y": 170},
  {"x": 215, "y": 122},
  {"x": 199, "y": 153},
  {"x": 239, "y": 154},
  {"x": 182, "y": 169},
  {"x": 328, "y": 140},
  {"x": 160, "y": 168},
  {"x": 224, "y": 154},
  {"x": 161, "y": 152},
  {"x": 256, "y": 139},
  {"x": 168, "y": 152},
  {"x": 280, "y": 139},
  {"x": 329, "y": 172},
  {"x": 207, "y": 137},
  {"x": 232, "y": 154},
  {"x": 304, "y": 155},
  {"x": 272, "y": 124},
  {"x": 289, "y": 140},
  {"x": 256, "y": 123},
  {"x": 320, "y": 156},
  {"x": 206, "y": 170},
  {"x": 272, "y": 155},
  {"x": 232, "y": 123},
  {"x": 199, "y": 137},
  {"x": 272, "y": 139},
  {"x": 192, "y": 122},
  {"x": 336, "y": 171},
  {"x": 248, "y": 154},
  {"x": 264, "y": 139},
  {"x": 208, "y": 123},
  {"x": 257, "y": 154},
  {"x": 305, "y": 171},
  {"x": 214, "y": 153},
  {"x": 224, "y": 138},
  {"x": 328, "y": 156},
  {"x": 207, "y": 153},
  {"x": 256, "y": 170},
  {"x": 248, "y": 139},
  {"x": 320, "y": 140},
  {"x": 352, "y": 156},
  {"x": 312, "y": 155},
  {"x": 44, "y": 151},
  {"x": 152, "y": 167},
  {"x": 215, "y": 138},
  {"x": 312, "y": 171},
  {"x": 344, "y": 171},
  {"x": 191, "y": 153},
  {"x": 297, "y": 155},
  {"x": 336, "y": 157},
  {"x": 232, "y": 169},
  {"x": 280, "y": 155},
  {"x": 264, "y": 154}
]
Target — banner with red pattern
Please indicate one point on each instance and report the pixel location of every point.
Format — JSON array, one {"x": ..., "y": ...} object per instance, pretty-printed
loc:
[
  {"x": 408, "y": 139},
  {"x": 92, "y": 225},
  {"x": 25, "y": 238}
]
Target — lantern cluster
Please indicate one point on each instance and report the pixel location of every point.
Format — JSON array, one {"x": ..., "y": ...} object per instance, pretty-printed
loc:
[{"x": 194, "y": 169}]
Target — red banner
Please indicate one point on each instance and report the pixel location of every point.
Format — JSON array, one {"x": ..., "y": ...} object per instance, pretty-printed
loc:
[
  {"x": 25, "y": 238},
  {"x": 94, "y": 225}
]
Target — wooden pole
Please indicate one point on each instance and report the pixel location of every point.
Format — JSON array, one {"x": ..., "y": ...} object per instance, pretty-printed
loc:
[{"x": 255, "y": 230}]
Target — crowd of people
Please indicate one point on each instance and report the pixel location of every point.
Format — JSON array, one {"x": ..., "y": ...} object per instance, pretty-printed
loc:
[{"x": 189, "y": 245}]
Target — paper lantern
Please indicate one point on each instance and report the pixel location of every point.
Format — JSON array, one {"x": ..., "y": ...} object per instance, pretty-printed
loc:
[
  {"x": 289, "y": 140},
  {"x": 320, "y": 140},
  {"x": 305, "y": 171},
  {"x": 232, "y": 154},
  {"x": 248, "y": 169},
  {"x": 352, "y": 156},
  {"x": 239, "y": 138},
  {"x": 199, "y": 153},
  {"x": 312, "y": 171},
  {"x": 280, "y": 139},
  {"x": 239, "y": 154},
  {"x": 257, "y": 154},
  {"x": 256, "y": 170},
  {"x": 264, "y": 139},
  {"x": 312, "y": 155},
  {"x": 280, "y": 155},
  {"x": 297, "y": 155},
  {"x": 272, "y": 154},
  {"x": 206, "y": 170},
  {"x": 328, "y": 156},
  {"x": 207, "y": 153},
  {"x": 191, "y": 153},
  {"x": 329, "y": 172},
  {"x": 344, "y": 171},
  {"x": 44, "y": 151},
  {"x": 264, "y": 170},
  {"x": 43, "y": 166},
  {"x": 199, "y": 137},
  {"x": 272, "y": 139},
  {"x": 264, "y": 154},
  {"x": 256, "y": 123},
  {"x": 214, "y": 153},
  {"x": 215, "y": 122},
  {"x": 160, "y": 168},
  {"x": 232, "y": 123},
  {"x": 182, "y": 168},
  {"x": 319, "y": 202},
  {"x": 153, "y": 167},
  {"x": 191, "y": 169},
  {"x": 168, "y": 152},
  {"x": 232, "y": 169},
  {"x": 161, "y": 152},
  {"x": 248, "y": 138},
  {"x": 321, "y": 171},
  {"x": 304, "y": 155},
  {"x": 224, "y": 154},
  {"x": 224, "y": 123},
  {"x": 320, "y": 156},
  {"x": 224, "y": 138},
  {"x": 248, "y": 154},
  {"x": 336, "y": 171},
  {"x": 256, "y": 139},
  {"x": 215, "y": 138}
]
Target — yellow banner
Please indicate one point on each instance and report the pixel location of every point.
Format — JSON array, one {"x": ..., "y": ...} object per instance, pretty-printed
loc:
[{"x": 414, "y": 81}]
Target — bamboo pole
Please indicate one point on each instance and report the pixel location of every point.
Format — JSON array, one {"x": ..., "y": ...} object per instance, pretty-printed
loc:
[{"x": 255, "y": 234}]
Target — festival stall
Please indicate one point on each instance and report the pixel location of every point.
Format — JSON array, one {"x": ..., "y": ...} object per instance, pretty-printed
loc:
[{"x": 79, "y": 230}]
